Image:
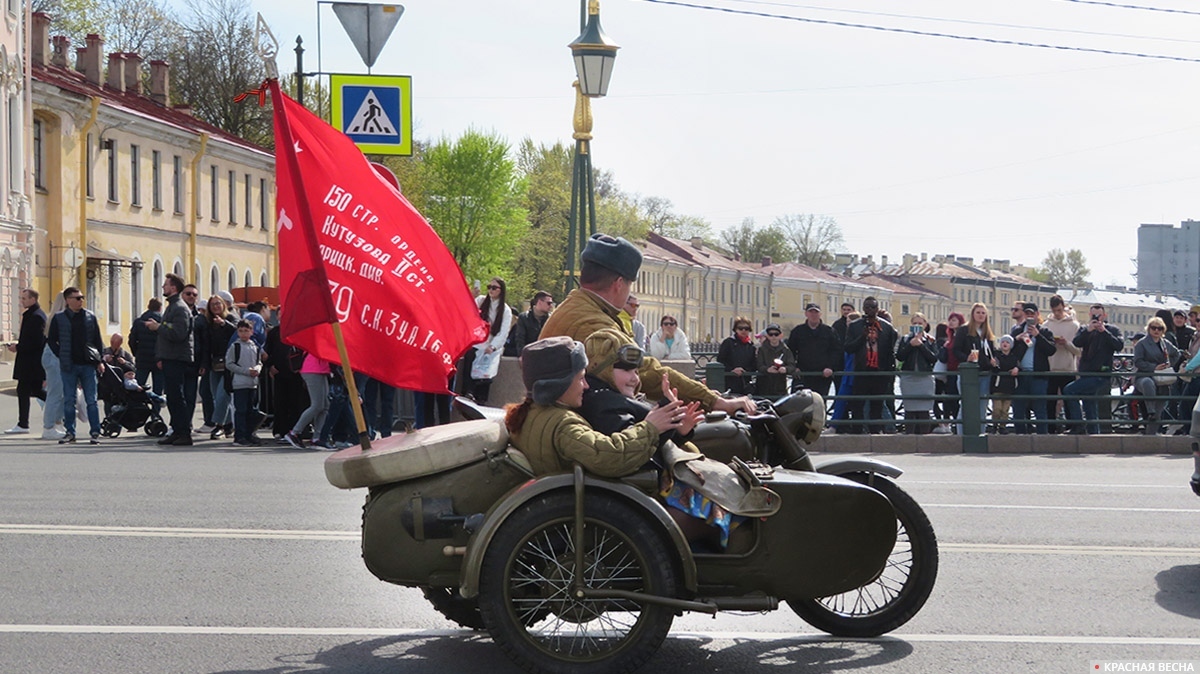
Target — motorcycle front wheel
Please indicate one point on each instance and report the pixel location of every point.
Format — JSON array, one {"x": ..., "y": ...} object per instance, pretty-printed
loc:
[
  {"x": 899, "y": 591},
  {"x": 525, "y": 582}
]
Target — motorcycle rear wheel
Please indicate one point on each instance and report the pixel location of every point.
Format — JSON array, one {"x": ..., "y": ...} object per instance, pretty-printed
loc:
[
  {"x": 526, "y": 577},
  {"x": 901, "y": 589}
]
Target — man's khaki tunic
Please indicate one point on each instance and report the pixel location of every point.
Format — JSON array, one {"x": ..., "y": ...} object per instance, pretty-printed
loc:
[{"x": 584, "y": 312}]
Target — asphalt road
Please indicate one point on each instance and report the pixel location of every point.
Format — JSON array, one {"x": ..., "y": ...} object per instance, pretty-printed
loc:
[{"x": 130, "y": 558}]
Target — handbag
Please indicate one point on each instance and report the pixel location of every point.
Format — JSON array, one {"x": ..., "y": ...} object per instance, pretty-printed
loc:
[
  {"x": 1165, "y": 377},
  {"x": 92, "y": 355}
]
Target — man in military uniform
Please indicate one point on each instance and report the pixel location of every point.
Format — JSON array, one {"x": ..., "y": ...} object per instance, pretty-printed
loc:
[{"x": 609, "y": 267}]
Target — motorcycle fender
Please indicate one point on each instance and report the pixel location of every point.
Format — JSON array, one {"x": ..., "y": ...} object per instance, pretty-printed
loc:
[
  {"x": 857, "y": 464},
  {"x": 479, "y": 542}
]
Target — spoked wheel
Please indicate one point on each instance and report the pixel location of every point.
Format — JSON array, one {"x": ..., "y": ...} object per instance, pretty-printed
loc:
[
  {"x": 525, "y": 587},
  {"x": 902, "y": 587},
  {"x": 110, "y": 428},
  {"x": 454, "y": 606}
]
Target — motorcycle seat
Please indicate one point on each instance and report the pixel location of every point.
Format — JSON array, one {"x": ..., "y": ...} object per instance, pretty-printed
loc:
[{"x": 425, "y": 451}]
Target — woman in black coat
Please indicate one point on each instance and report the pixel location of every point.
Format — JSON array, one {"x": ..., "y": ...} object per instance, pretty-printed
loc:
[
  {"x": 27, "y": 370},
  {"x": 738, "y": 355}
]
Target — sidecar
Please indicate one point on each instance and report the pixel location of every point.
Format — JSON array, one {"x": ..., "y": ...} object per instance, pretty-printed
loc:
[{"x": 571, "y": 572}]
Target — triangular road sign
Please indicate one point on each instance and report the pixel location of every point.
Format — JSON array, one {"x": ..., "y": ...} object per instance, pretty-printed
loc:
[
  {"x": 369, "y": 26},
  {"x": 371, "y": 119}
]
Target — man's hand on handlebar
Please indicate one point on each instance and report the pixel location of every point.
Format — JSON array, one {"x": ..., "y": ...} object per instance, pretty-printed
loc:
[{"x": 732, "y": 406}]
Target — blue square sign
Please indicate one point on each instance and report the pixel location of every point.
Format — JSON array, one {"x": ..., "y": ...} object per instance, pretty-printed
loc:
[{"x": 374, "y": 111}]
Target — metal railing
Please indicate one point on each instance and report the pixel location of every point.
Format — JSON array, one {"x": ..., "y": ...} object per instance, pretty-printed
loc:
[{"x": 1116, "y": 413}]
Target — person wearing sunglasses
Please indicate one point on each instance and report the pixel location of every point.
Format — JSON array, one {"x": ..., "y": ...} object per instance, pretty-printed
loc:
[
  {"x": 737, "y": 354},
  {"x": 483, "y": 362},
  {"x": 72, "y": 331},
  {"x": 669, "y": 342},
  {"x": 776, "y": 363},
  {"x": 1154, "y": 355}
]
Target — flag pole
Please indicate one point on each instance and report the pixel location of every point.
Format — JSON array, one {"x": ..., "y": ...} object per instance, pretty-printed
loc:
[
  {"x": 364, "y": 436},
  {"x": 306, "y": 223}
]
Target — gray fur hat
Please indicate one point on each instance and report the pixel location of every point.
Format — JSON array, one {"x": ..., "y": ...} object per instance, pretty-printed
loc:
[
  {"x": 616, "y": 254},
  {"x": 549, "y": 365}
]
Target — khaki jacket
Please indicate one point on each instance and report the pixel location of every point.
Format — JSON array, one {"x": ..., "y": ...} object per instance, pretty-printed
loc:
[
  {"x": 584, "y": 312},
  {"x": 554, "y": 438}
]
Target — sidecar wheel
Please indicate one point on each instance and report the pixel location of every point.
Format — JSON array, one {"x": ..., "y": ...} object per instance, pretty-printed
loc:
[
  {"x": 454, "y": 606},
  {"x": 901, "y": 589},
  {"x": 526, "y": 576}
]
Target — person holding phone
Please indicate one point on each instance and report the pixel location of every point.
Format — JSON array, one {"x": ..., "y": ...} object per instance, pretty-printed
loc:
[
  {"x": 1097, "y": 341},
  {"x": 917, "y": 353},
  {"x": 1039, "y": 346}
]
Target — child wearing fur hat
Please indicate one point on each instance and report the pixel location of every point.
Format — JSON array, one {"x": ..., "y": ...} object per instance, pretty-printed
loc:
[
  {"x": 1005, "y": 382},
  {"x": 554, "y": 437}
]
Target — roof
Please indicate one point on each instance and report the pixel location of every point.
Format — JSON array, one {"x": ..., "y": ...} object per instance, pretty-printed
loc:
[
  {"x": 75, "y": 82},
  {"x": 1114, "y": 298},
  {"x": 898, "y": 286}
]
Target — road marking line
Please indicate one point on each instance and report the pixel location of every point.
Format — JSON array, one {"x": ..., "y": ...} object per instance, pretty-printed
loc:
[
  {"x": 988, "y": 506},
  {"x": 179, "y": 532},
  {"x": 351, "y": 536},
  {"x": 741, "y": 636},
  {"x": 1088, "y": 485},
  {"x": 1069, "y": 550}
]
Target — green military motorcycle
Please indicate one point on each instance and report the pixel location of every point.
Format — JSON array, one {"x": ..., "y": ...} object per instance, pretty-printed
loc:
[{"x": 576, "y": 573}]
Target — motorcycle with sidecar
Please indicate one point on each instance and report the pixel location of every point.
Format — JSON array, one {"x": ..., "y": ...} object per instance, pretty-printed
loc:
[{"x": 576, "y": 573}]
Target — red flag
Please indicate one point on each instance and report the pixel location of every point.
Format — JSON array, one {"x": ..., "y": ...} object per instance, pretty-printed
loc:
[{"x": 353, "y": 250}]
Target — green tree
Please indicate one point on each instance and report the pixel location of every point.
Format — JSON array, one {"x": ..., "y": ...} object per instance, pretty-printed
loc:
[
  {"x": 539, "y": 262},
  {"x": 815, "y": 238},
  {"x": 752, "y": 243},
  {"x": 214, "y": 61},
  {"x": 1065, "y": 270},
  {"x": 472, "y": 196},
  {"x": 662, "y": 220}
]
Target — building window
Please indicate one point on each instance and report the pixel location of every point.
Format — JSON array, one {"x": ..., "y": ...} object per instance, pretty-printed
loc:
[
  {"x": 177, "y": 183},
  {"x": 262, "y": 203},
  {"x": 112, "y": 170},
  {"x": 114, "y": 293},
  {"x": 232, "y": 278},
  {"x": 135, "y": 288},
  {"x": 214, "y": 194},
  {"x": 214, "y": 281},
  {"x": 39, "y": 178},
  {"x": 158, "y": 277},
  {"x": 232, "y": 198},
  {"x": 16, "y": 135},
  {"x": 249, "y": 279},
  {"x": 135, "y": 175},
  {"x": 155, "y": 181},
  {"x": 246, "y": 197}
]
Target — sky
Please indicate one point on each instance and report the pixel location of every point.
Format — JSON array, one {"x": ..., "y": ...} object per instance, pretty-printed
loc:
[{"x": 912, "y": 143}]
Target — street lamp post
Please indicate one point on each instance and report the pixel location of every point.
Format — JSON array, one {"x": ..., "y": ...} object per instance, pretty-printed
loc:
[{"x": 594, "y": 55}]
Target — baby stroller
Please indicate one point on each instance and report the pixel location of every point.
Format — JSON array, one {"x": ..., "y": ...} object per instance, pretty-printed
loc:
[{"x": 125, "y": 409}]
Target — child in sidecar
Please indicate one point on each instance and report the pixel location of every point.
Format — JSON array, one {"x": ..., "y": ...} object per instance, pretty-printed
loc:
[
  {"x": 554, "y": 437},
  {"x": 613, "y": 434}
]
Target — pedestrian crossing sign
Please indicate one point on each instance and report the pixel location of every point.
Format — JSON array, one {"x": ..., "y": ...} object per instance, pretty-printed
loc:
[{"x": 375, "y": 111}]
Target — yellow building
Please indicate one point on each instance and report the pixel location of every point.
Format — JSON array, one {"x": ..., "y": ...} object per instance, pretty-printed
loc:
[{"x": 129, "y": 189}]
